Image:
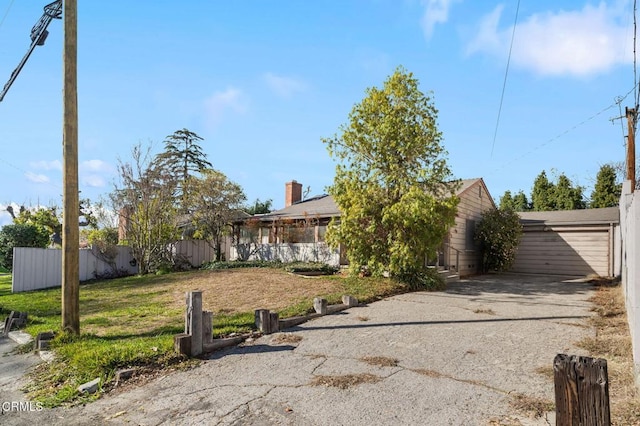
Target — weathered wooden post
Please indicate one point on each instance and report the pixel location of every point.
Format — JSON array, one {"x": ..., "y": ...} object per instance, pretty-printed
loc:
[
  {"x": 263, "y": 320},
  {"x": 194, "y": 312},
  {"x": 581, "y": 390},
  {"x": 207, "y": 327}
]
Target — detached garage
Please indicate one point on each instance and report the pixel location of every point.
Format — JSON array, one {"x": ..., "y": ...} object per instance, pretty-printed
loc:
[{"x": 570, "y": 242}]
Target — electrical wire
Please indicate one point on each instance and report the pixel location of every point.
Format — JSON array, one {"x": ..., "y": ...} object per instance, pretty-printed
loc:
[
  {"x": 504, "y": 83},
  {"x": 569, "y": 130},
  {"x": 6, "y": 13}
]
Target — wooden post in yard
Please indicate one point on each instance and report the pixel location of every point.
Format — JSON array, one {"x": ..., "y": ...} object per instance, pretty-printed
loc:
[
  {"x": 195, "y": 322},
  {"x": 71, "y": 208},
  {"x": 582, "y": 391}
]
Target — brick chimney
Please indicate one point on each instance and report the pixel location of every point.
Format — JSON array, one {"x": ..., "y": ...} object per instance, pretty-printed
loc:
[{"x": 292, "y": 193}]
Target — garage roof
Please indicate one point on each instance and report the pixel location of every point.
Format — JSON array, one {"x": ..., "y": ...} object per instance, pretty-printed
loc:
[{"x": 572, "y": 217}]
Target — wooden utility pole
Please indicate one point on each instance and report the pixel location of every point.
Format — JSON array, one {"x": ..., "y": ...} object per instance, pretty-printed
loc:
[
  {"x": 71, "y": 208},
  {"x": 631, "y": 147}
]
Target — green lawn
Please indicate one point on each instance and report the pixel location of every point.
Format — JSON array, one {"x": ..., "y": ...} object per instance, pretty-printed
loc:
[{"x": 131, "y": 321}]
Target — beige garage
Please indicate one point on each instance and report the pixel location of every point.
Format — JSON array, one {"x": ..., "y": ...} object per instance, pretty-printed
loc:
[{"x": 571, "y": 242}]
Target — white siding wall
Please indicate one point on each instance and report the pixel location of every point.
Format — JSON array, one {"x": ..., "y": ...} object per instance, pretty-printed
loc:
[{"x": 473, "y": 202}]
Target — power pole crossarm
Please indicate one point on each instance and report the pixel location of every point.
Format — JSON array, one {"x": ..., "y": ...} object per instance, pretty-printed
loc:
[{"x": 39, "y": 34}]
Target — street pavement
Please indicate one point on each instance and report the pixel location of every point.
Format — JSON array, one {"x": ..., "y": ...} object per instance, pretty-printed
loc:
[{"x": 459, "y": 357}]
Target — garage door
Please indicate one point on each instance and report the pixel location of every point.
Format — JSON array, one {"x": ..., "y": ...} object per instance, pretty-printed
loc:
[{"x": 563, "y": 253}]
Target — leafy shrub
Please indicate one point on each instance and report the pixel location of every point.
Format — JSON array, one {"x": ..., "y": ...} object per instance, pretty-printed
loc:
[
  {"x": 20, "y": 235},
  {"x": 498, "y": 234},
  {"x": 422, "y": 279},
  {"x": 302, "y": 267},
  {"x": 240, "y": 264}
]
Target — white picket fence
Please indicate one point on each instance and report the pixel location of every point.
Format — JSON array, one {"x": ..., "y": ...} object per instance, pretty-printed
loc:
[{"x": 36, "y": 268}]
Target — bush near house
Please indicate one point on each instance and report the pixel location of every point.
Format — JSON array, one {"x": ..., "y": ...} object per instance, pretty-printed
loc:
[{"x": 498, "y": 234}]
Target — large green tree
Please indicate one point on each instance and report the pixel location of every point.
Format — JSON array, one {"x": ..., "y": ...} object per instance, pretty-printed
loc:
[
  {"x": 606, "y": 192},
  {"x": 520, "y": 202},
  {"x": 182, "y": 159},
  {"x": 567, "y": 196},
  {"x": 215, "y": 201},
  {"x": 542, "y": 195},
  {"x": 392, "y": 183},
  {"x": 144, "y": 200}
]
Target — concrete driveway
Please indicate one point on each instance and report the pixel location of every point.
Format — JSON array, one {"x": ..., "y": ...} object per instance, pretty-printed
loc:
[{"x": 458, "y": 357}]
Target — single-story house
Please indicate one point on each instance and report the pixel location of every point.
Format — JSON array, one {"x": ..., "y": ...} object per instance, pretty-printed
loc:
[
  {"x": 297, "y": 232},
  {"x": 570, "y": 242}
]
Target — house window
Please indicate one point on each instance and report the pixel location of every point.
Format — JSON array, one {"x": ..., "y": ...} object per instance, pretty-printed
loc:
[
  {"x": 248, "y": 235},
  {"x": 264, "y": 235},
  {"x": 322, "y": 232},
  {"x": 470, "y": 228}
]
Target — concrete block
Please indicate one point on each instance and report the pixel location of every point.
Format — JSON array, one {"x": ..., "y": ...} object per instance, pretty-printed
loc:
[
  {"x": 182, "y": 344},
  {"x": 263, "y": 320},
  {"x": 320, "y": 305},
  {"x": 124, "y": 374},
  {"x": 90, "y": 387},
  {"x": 207, "y": 327},
  {"x": 350, "y": 301}
]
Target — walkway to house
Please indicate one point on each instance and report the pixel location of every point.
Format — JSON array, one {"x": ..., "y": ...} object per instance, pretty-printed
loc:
[{"x": 449, "y": 358}]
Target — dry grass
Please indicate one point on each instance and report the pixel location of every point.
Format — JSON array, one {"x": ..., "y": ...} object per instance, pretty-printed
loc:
[
  {"x": 613, "y": 343},
  {"x": 429, "y": 373},
  {"x": 244, "y": 290},
  {"x": 546, "y": 371},
  {"x": 282, "y": 338},
  {"x": 487, "y": 311},
  {"x": 531, "y": 405},
  {"x": 362, "y": 318},
  {"x": 346, "y": 381},
  {"x": 380, "y": 361}
]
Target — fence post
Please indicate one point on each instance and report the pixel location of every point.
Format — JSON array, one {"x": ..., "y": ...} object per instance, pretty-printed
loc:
[
  {"x": 194, "y": 313},
  {"x": 581, "y": 390}
]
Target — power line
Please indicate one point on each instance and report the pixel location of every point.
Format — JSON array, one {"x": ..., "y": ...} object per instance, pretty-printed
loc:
[
  {"x": 506, "y": 73},
  {"x": 6, "y": 13},
  {"x": 617, "y": 102}
]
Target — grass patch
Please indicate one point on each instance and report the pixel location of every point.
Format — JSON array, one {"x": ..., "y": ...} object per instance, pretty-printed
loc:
[
  {"x": 346, "y": 381},
  {"x": 130, "y": 322}
]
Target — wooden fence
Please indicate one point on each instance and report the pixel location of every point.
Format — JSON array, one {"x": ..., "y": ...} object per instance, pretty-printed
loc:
[
  {"x": 630, "y": 230},
  {"x": 35, "y": 268}
]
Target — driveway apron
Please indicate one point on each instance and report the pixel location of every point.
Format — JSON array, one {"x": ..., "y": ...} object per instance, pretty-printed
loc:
[{"x": 459, "y": 357}]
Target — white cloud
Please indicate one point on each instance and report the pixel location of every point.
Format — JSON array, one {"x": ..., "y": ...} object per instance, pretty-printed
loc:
[
  {"x": 579, "y": 42},
  {"x": 94, "y": 181},
  {"x": 46, "y": 165},
  {"x": 436, "y": 12},
  {"x": 36, "y": 178},
  {"x": 95, "y": 166},
  {"x": 220, "y": 102},
  {"x": 284, "y": 87}
]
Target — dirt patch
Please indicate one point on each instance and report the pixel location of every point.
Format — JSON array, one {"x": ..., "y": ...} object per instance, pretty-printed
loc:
[
  {"x": 283, "y": 338},
  {"x": 346, "y": 381},
  {"x": 244, "y": 290},
  {"x": 380, "y": 361},
  {"x": 487, "y": 311},
  {"x": 531, "y": 405}
]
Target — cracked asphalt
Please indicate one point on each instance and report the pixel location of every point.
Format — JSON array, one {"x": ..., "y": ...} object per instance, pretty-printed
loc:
[{"x": 458, "y": 357}]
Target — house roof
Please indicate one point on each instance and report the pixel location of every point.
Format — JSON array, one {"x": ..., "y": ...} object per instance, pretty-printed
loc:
[
  {"x": 324, "y": 206},
  {"x": 572, "y": 217}
]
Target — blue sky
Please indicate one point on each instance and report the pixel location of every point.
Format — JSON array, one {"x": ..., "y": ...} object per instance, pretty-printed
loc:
[{"x": 263, "y": 81}]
